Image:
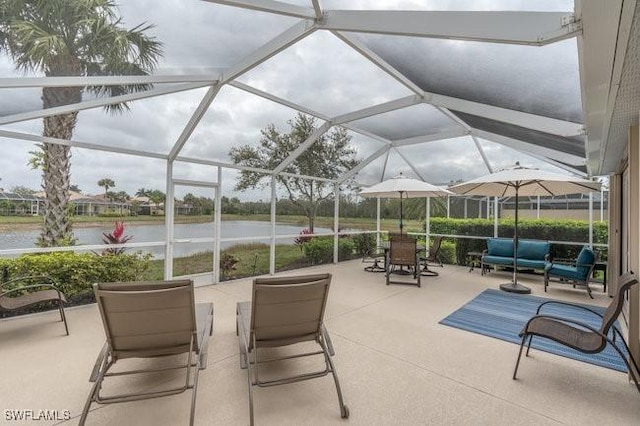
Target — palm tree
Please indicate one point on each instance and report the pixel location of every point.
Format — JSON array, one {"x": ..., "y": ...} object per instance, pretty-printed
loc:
[
  {"x": 71, "y": 38},
  {"x": 106, "y": 183}
]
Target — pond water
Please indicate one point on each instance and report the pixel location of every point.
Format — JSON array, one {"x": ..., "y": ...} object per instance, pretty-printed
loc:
[{"x": 18, "y": 239}]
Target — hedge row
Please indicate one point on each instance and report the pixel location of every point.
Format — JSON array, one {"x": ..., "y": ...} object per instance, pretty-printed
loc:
[
  {"x": 555, "y": 230},
  {"x": 75, "y": 273}
]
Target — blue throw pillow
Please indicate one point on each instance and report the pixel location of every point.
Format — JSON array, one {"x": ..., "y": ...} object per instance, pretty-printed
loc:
[{"x": 500, "y": 247}]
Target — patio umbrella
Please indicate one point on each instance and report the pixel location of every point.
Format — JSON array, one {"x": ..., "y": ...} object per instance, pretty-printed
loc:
[
  {"x": 520, "y": 180},
  {"x": 403, "y": 187}
]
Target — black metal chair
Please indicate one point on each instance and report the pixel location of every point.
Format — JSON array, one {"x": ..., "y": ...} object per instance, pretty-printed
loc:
[
  {"x": 371, "y": 254},
  {"x": 581, "y": 336},
  {"x": 432, "y": 259}
]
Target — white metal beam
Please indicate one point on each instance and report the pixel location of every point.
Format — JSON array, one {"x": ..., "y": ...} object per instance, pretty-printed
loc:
[
  {"x": 302, "y": 147},
  {"x": 384, "y": 167},
  {"x": 194, "y": 120},
  {"x": 518, "y": 118},
  {"x": 409, "y": 163},
  {"x": 523, "y": 119},
  {"x": 482, "y": 153},
  {"x": 280, "y": 42},
  {"x": 361, "y": 165},
  {"x": 278, "y": 100},
  {"x": 462, "y": 123},
  {"x": 527, "y": 28},
  {"x": 96, "y": 103},
  {"x": 393, "y": 105},
  {"x": 449, "y": 134},
  {"x": 317, "y": 8},
  {"x": 19, "y": 82},
  {"x": 270, "y": 6},
  {"x": 366, "y": 133},
  {"x": 77, "y": 144},
  {"x": 528, "y": 148},
  {"x": 365, "y": 51}
]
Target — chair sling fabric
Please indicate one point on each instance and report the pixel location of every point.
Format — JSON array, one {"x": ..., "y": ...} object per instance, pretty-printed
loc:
[
  {"x": 402, "y": 252},
  {"x": 433, "y": 259},
  {"x": 26, "y": 291},
  {"x": 581, "y": 336},
  {"x": 147, "y": 320},
  {"x": 285, "y": 311}
]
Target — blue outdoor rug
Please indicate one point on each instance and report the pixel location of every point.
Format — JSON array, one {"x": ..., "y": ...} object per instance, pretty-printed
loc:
[{"x": 502, "y": 315}]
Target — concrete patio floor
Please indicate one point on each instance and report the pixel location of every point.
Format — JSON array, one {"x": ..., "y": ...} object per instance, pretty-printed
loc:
[{"x": 396, "y": 364}]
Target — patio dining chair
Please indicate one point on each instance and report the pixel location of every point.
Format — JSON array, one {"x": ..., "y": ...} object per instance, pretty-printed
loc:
[
  {"x": 432, "y": 258},
  {"x": 26, "y": 291},
  {"x": 403, "y": 253},
  {"x": 285, "y": 313},
  {"x": 579, "y": 335},
  {"x": 372, "y": 254},
  {"x": 145, "y": 320}
]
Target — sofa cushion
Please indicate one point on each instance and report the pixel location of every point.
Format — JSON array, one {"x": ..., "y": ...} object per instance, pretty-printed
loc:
[
  {"x": 500, "y": 247},
  {"x": 566, "y": 271},
  {"x": 530, "y": 263},
  {"x": 497, "y": 260},
  {"x": 534, "y": 250},
  {"x": 586, "y": 257}
]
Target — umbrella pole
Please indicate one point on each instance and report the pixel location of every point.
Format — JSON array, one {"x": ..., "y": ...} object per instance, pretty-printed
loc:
[
  {"x": 514, "y": 287},
  {"x": 401, "y": 224}
]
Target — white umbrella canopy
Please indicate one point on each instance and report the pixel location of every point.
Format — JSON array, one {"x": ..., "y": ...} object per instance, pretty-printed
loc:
[
  {"x": 403, "y": 187},
  {"x": 525, "y": 181}
]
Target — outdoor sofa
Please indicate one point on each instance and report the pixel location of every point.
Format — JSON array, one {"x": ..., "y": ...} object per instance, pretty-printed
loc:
[{"x": 532, "y": 254}]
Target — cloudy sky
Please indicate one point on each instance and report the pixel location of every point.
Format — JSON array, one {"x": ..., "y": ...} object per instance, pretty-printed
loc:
[{"x": 319, "y": 72}]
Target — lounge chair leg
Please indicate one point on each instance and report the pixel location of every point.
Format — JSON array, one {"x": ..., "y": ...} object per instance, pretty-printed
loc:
[
  {"x": 193, "y": 396},
  {"x": 515, "y": 370},
  {"x": 249, "y": 382},
  {"x": 63, "y": 317},
  {"x": 344, "y": 410}
]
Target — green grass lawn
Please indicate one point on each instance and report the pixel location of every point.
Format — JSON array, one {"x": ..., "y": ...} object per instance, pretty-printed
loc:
[{"x": 253, "y": 259}]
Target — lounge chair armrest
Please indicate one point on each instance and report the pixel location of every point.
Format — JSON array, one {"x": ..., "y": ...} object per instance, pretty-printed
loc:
[
  {"x": 575, "y": 305},
  {"x": 99, "y": 362},
  {"x": 327, "y": 340},
  {"x": 566, "y": 320},
  {"x": 485, "y": 252},
  {"x": 26, "y": 287}
]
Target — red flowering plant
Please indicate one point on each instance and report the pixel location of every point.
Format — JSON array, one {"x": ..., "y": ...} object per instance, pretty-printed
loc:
[
  {"x": 305, "y": 236},
  {"x": 116, "y": 237}
]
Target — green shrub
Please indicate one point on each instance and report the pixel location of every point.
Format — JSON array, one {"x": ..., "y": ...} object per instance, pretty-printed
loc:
[
  {"x": 319, "y": 250},
  {"x": 346, "y": 247},
  {"x": 76, "y": 273},
  {"x": 448, "y": 252},
  {"x": 363, "y": 243}
]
